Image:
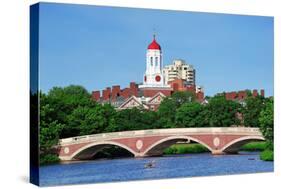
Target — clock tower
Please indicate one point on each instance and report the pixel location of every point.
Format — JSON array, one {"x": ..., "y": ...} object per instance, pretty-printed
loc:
[{"x": 153, "y": 76}]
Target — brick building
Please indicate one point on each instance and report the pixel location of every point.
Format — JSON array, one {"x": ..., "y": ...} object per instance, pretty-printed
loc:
[{"x": 241, "y": 95}]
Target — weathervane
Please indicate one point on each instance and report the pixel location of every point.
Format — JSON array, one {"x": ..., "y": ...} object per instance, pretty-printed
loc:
[{"x": 154, "y": 33}]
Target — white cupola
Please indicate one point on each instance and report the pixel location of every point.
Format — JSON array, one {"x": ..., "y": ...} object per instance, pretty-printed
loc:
[{"x": 153, "y": 76}]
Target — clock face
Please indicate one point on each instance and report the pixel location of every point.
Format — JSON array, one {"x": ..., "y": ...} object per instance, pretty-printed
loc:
[{"x": 157, "y": 78}]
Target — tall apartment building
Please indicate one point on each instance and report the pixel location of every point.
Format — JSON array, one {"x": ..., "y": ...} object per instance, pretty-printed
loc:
[{"x": 179, "y": 70}]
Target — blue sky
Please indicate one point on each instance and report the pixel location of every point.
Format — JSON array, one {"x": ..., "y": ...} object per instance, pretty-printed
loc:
[{"x": 98, "y": 47}]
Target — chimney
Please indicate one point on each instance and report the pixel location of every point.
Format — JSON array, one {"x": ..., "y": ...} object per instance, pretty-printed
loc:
[
  {"x": 96, "y": 95},
  {"x": 106, "y": 93},
  {"x": 255, "y": 93},
  {"x": 115, "y": 91},
  {"x": 262, "y": 92}
]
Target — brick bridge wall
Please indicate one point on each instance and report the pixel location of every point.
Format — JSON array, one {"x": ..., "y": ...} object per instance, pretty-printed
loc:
[{"x": 143, "y": 144}]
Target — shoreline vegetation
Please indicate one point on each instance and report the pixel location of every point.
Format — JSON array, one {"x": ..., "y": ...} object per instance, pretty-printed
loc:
[
  {"x": 190, "y": 148},
  {"x": 70, "y": 111},
  {"x": 254, "y": 146},
  {"x": 187, "y": 148},
  {"x": 266, "y": 153}
]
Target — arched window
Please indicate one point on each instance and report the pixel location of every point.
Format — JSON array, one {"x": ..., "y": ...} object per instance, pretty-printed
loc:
[
  {"x": 151, "y": 61},
  {"x": 156, "y": 61}
]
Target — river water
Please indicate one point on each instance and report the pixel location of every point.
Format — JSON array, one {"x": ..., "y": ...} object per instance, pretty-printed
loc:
[{"x": 176, "y": 166}]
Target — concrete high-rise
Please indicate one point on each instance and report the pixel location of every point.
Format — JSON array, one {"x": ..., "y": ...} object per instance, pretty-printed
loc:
[{"x": 179, "y": 70}]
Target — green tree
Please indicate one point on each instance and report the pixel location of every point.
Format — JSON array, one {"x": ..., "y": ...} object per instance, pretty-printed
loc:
[
  {"x": 65, "y": 99},
  {"x": 85, "y": 120},
  {"x": 49, "y": 131},
  {"x": 49, "y": 128},
  {"x": 182, "y": 97},
  {"x": 129, "y": 119},
  {"x": 221, "y": 112},
  {"x": 49, "y": 136},
  {"x": 266, "y": 121},
  {"x": 150, "y": 120},
  {"x": 252, "y": 110},
  {"x": 189, "y": 115},
  {"x": 168, "y": 107},
  {"x": 166, "y": 113}
]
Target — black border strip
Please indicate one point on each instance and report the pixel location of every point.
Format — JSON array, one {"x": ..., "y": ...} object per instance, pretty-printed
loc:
[{"x": 34, "y": 95}]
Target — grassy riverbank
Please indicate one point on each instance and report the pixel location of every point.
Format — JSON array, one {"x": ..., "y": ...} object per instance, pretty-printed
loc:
[
  {"x": 198, "y": 148},
  {"x": 254, "y": 146},
  {"x": 185, "y": 149}
]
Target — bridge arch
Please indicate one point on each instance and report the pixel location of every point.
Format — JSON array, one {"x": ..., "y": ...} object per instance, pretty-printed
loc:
[
  {"x": 234, "y": 146},
  {"x": 158, "y": 147},
  {"x": 91, "y": 149}
]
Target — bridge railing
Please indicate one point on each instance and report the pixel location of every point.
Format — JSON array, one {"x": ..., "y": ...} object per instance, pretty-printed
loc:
[{"x": 159, "y": 132}]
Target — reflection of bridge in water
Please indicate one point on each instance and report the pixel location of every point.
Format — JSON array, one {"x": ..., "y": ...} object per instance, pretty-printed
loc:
[{"x": 144, "y": 143}]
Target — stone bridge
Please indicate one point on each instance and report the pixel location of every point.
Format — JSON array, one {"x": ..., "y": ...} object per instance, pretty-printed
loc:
[{"x": 144, "y": 143}]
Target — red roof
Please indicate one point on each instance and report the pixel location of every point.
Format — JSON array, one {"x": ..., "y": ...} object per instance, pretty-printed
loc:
[{"x": 154, "y": 45}]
